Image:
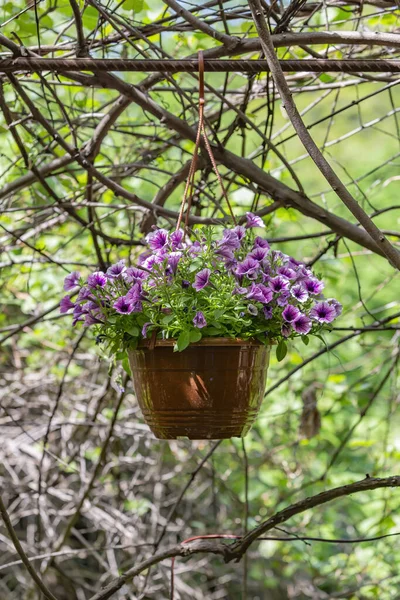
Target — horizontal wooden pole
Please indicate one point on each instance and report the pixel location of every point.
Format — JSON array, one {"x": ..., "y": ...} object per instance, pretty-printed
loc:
[{"x": 10, "y": 65}]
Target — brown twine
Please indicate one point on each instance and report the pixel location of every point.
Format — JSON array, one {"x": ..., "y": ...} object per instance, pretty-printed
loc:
[{"x": 189, "y": 187}]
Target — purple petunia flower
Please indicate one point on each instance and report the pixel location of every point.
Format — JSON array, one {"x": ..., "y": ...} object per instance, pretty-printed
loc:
[
  {"x": 286, "y": 330},
  {"x": 240, "y": 232},
  {"x": 145, "y": 328},
  {"x": 299, "y": 293},
  {"x": 253, "y": 220},
  {"x": 287, "y": 272},
  {"x": 323, "y": 312},
  {"x": 176, "y": 239},
  {"x": 77, "y": 314},
  {"x": 66, "y": 304},
  {"x": 135, "y": 293},
  {"x": 260, "y": 292},
  {"x": 248, "y": 267},
  {"x": 259, "y": 253},
  {"x": 253, "y": 310},
  {"x": 90, "y": 306},
  {"x": 202, "y": 279},
  {"x": 267, "y": 292},
  {"x": 123, "y": 306},
  {"x": 260, "y": 242},
  {"x": 150, "y": 262},
  {"x": 97, "y": 279},
  {"x": 90, "y": 320},
  {"x": 229, "y": 240},
  {"x": 71, "y": 281},
  {"x": 313, "y": 285},
  {"x": 239, "y": 290},
  {"x": 302, "y": 324},
  {"x": 283, "y": 298},
  {"x": 278, "y": 284},
  {"x": 256, "y": 293},
  {"x": 336, "y": 305},
  {"x": 185, "y": 283},
  {"x": 225, "y": 252},
  {"x": 195, "y": 248},
  {"x": 116, "y": 270},
  {"x": 267, "y": 310},
  {"x": 293, "y": 263},
  {"x": 199, "y": 320},
  {"x": 84, "y": 294},
  {"x": 173, "y": 260},
  {"x": 158, "y": 239},
  {"x": 133, "y": 275},
  {"x": 290, "y": 313}
]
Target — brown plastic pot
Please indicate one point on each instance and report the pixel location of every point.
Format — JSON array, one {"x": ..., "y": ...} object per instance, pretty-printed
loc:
[{"x": 211, "y": 390}]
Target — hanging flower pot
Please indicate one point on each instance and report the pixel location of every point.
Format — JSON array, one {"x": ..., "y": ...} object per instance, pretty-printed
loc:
[
  {"x": 197, "y": 319},
  {"x": 196, "y": 316},
  {"x": 211, "y": 390}
]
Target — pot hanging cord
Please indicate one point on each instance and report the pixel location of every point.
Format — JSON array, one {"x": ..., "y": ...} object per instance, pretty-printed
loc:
[{"x": 189, "y": 187}]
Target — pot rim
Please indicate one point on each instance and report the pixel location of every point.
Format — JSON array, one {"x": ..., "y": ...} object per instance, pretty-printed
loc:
[{"x": 209, "y": 341}]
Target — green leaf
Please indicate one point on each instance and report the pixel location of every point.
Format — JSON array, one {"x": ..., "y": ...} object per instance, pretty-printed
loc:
[
  {"x": 281, "y": 350},
  {"x": 135, "y": 5},
  {"x": 167, "y": 319},
  {"x": 183, "y": 341},
  {"x": 196, "y": 264},
  {"x": 218, "y": 313},
  {"x": 125, "y": 366},
  {"x": 195, "y": 335},
  {"x": 132, "y": 330},
  {"x": 305, "y": 339}
]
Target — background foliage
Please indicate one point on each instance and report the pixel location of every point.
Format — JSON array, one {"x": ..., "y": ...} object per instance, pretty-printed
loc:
[{"x": 88, "y": 489}]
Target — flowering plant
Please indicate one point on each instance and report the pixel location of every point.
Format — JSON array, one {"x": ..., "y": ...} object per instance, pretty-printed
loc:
[{"x": 232, "y": 285}]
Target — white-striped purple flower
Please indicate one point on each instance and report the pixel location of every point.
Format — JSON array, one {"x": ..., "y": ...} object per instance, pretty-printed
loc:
[
  {"x": 302, "y": 324},
  {"x": 248, "y": 267},
  {"x": 225, "y": 252},
  {"x": 135, "y": 293},
  {"x": 290, "y": 313},
  {"x": 256, "y": 293},
  {"x": 336, "y": 305},
  {"x": 85, "y": 293},
  {"x": 133, "y": 275},
  {"x": 286, "y": 272},
  {"x": 313, "y": 285},
  {"x": 267, "y": 310},
  {"x": 123, "y": 306},
  {"x": 299, "y": 293},
  {"x": 283, "y": 298},
  {"x": 96, "y": 280},
  {"x": 176, "y": 239},
  {"x": 253, "y": 310},
  {"x": 71, "y": 281},
  {"x": 173, "y": 260},
  {"x": 278, "y": 284},
  {"x": 323, "y": 312},
  {"x": 66, "y": 304},
  {"x": 199, "y": 320},
  {"x": 158, "y": 239},
  {"x": 202, "y": 279},
  {"x": 116, "y": 270},
  {"x": 260, "y": 242},
  {"x": 259, "y": 253},
  {"x": 240, "y": 231},
  {"x": 145, "y": 328},
  {"x": 253, "y": 220},
  {"x": 229, "y": 240}
]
